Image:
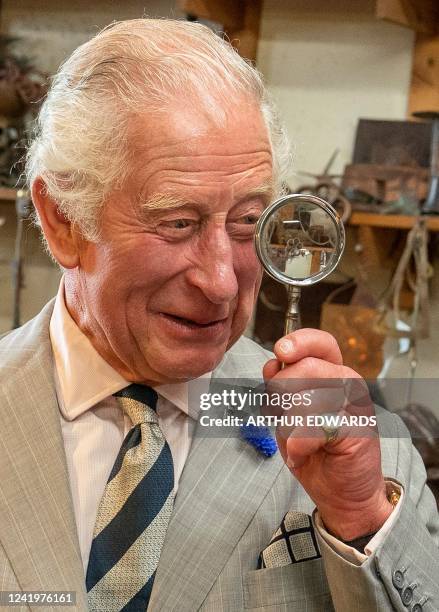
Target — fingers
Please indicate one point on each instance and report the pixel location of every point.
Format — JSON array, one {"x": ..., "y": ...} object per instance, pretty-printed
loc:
[
  {"x": 304, "y": 443},
  {"x": 300, "y": 444},
  {"x": 308, "y": 343},
  {"x": 313, "y": 365},
  {"x": 313, "y": 347},
  {"x": 271, "y": 368},
  {"x": 313, "y": 368},
  {"x": 315, "y": 373},
  {"x": 308, "y": 373}
]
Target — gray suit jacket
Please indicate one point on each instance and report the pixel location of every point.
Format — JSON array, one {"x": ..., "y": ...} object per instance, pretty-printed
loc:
[{"x": 229, "y": 503}]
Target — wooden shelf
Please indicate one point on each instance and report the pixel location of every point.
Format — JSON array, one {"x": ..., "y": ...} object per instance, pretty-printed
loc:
[{"x": 391, "y": 221}]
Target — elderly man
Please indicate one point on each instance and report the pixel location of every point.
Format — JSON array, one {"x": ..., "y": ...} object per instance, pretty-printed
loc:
[{"x": 155, "y": 153}]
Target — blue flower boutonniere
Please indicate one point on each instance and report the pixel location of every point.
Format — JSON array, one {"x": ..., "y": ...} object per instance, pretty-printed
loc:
[{"x": 260, "y": 438}]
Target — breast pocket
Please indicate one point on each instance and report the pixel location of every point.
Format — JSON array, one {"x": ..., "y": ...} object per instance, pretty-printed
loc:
[{"x": 293, "y": 588}]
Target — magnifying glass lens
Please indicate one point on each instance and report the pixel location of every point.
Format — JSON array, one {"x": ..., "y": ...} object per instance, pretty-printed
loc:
[{"x": 299, "y": 239}]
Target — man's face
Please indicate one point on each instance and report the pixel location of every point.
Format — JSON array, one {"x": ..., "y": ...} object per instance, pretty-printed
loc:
[{"x": 172, "y": 282}]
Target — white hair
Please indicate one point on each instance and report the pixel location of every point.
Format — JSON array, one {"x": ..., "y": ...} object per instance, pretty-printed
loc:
[{"x": 81, "y": 147}]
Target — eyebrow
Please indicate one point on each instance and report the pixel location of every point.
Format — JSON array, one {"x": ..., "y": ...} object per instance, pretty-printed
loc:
[
  {"x": 265, "y": 192},
  {"x": 170, "y": 201},
  {"x": 162, "y": 201}
]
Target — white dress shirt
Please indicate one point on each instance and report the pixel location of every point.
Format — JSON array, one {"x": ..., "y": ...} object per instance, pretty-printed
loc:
[{"x": 94, "y": 427}]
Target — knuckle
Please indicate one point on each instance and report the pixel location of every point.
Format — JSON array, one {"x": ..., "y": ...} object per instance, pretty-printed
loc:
[
  {"x": 303, "y": 336},
  {"x": 332, "y": 342}
]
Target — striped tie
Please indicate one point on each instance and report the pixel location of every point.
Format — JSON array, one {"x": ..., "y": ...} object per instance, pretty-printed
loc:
[{"x": 134, "y": 512}]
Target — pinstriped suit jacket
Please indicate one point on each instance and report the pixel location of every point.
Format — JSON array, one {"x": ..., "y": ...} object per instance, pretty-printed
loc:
[{"x": 229, "y": 503}]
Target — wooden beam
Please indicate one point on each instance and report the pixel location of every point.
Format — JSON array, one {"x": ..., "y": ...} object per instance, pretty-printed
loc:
[
  {"x": 229, "y": 13},
  {"x": 240, "y": 20},
  {"x": 424, "y": 88},
  {"x": 8, "y": 194},
  {"x": 245, "y": 39},
  {"x": 419, "y": 15}
]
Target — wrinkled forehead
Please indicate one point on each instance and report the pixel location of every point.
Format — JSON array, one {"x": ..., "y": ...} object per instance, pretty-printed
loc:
[
  {"x": 183, "y": 122},
  {"x": 184, "y": 152}
]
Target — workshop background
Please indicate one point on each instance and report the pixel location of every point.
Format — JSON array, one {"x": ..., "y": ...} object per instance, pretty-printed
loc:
[{"x": 348, "y": 78}]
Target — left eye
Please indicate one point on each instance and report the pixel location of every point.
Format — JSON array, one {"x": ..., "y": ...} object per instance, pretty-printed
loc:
[
  {"x": 242, "y": 228},
  {"x": 248, "y": 219},
  {"x": 179, "y": 223}
]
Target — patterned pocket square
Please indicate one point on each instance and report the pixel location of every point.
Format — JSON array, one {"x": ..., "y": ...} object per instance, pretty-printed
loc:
[{"x": 295, "y": 541}]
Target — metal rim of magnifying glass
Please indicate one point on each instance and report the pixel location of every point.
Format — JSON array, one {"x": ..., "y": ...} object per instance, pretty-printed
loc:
[{"x": 260, "y": 226}]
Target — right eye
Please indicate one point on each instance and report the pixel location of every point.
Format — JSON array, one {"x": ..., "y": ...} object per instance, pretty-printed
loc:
[
  {"x": 177, "y": 229},
  {"x": 180, "y": 223}
]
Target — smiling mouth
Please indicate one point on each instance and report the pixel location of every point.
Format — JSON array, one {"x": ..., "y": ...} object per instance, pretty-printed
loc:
[{"x": 190, "y": 323}]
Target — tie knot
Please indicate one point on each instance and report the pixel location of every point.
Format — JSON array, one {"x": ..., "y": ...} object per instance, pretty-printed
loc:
[{"x": 139, "y": 402}]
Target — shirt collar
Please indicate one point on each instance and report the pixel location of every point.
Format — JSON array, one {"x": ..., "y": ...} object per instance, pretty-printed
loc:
[{"x": 83, "y": 377}]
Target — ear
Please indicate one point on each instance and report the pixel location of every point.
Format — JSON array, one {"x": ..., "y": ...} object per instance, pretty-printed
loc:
[{"x": 60, "y": 235}]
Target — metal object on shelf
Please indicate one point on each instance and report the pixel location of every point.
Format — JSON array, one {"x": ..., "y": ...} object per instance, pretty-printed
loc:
[
  {"x": 299, "y": 240},
  {"x": 431, "y": 204},
  {"x": 328, "y": 189}
]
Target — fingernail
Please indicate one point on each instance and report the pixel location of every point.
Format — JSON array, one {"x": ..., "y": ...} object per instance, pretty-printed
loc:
[
  {"x": 290, "y": 463},
  {"x": 286, "y": 346}
]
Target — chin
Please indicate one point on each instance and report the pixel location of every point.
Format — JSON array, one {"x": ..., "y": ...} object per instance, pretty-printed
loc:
[{"x": 190, "y": 367}]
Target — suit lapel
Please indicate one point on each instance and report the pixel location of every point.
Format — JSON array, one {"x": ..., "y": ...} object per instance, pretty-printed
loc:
[
  {"x": 37, "y": 526},
  {"x": 223, "y": 484}
]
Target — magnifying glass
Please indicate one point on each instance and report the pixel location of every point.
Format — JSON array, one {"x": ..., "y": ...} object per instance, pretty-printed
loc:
[{"x": 299, "y": 240}]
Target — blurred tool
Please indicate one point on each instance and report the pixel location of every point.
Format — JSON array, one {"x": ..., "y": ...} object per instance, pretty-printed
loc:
[{"x": 23, "y": 207}]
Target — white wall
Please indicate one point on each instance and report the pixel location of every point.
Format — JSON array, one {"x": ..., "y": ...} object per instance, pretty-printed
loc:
[
  {"x": 52, "y": 29},
  {"x": 327, "y": 66}
]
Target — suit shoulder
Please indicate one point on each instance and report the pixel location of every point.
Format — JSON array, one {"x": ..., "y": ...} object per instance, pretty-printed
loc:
[{"x": 21, "y": 345}]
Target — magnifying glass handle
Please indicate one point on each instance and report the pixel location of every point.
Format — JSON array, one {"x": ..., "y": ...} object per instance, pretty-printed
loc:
[{"x": 292, "y": 318}]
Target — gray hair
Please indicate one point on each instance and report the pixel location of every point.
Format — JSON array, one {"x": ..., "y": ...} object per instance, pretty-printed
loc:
[{"x": 81, "y": 144}]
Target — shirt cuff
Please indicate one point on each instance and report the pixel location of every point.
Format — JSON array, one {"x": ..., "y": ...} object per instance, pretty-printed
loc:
[{"x": 348, "y": 552}]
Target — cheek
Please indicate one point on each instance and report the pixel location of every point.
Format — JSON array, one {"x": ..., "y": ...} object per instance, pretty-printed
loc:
[
  {"x": 144, "y": 263},
  {"x": 247, "y": 268}
]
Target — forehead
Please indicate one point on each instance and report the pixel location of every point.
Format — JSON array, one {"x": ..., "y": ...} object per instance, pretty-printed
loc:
[{"x": 189, "y": 148}]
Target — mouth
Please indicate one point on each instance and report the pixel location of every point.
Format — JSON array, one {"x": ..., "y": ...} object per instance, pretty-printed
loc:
[
  {"x": 197, "y": 330},
  {"x": 198, "y": 323}
]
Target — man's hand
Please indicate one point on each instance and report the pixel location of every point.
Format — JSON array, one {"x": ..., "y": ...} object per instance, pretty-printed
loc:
[{"x": 343, "y": 476}]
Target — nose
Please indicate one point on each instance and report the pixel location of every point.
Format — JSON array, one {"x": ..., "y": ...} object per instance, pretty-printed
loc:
[{"x": 213, "y": 271}]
